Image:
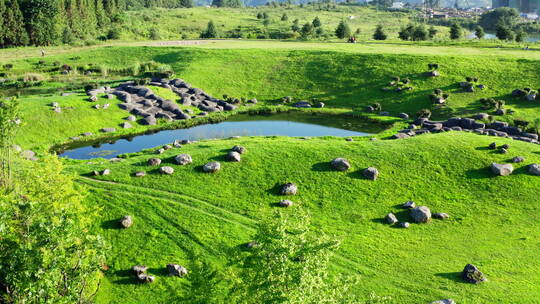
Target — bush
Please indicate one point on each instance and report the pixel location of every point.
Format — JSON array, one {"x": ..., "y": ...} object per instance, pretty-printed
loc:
[
  {"x": 456, "y": 31},
  {"x": 114, "y": 33},
  {"x": 164, "y": 71},
  {"x": 33, "y": 77},
  {"x": 379, "y": 33},
  {"x": 153, "y": 34},
  {"x": 135, "y": 69},
  {"x": 343, "y": 30},
  {"x": 210, "y": 32}
]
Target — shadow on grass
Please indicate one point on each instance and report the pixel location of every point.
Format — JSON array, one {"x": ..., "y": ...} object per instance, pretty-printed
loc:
[
  {"x": 111, "y": 224},
  {"x": 127, "y": 277},
  {"x": 219, "y": 158},
  {"x": 276, "y": 190},
  {"x": 322, "y": 167},
  {"x": 454, "y": 276},
  {"x": 162, "y": 271},
  {"x": 479, "y": 173}
]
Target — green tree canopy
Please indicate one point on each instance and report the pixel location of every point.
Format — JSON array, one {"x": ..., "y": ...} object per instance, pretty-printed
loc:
[
  {"x": 502, "y": 15},
  {"x": 479, "y": 32},
  {"x": 316, "y": 22},
  {"x": 211, "y": 31},
  {"x": 456, "y": 31},
  {"x": 343, "y": 30},
  {"x": 379, "y": 33}
]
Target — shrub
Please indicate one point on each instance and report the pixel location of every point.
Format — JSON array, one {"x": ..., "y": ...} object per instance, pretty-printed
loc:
[
  {"x": 284, "y": 17},
  {"x": 114, "y": 33},
  {"x": 104, "y": 70},
  {"x": 210, "y": 32},
  {"x": 164, "y": 71},
  {"x": 134, "y": 69},
  {"x": 8, "y": 66},
  {"x": 33, "y": 77},
  {"x": 343, "y": 30},
  {"x": 153, "y": 34},
  {"x": 479, "y": 32},
  {"x": 379, "y": 33},
  {"x": 424, "y": 113},
  {"x": 456, "y": 31}
]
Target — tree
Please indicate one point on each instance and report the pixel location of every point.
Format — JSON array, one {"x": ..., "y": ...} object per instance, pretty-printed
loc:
[
  {"x": 503, "y": 32},
  {"x": 186, "y": 3},
  {"x": 8, "y": 114},
  {"x": 432, "y": 31},
  {"x": 406, "y": 33},
  {"x": 265, "y": 15},
  {"x": 455, "y": 31},
  {"x": 520, "y": 36},
  {"x": 39, "y": 17},
  {"x": 420, "y": 33},
  {"x": 2, "y": 14},
  {"x": 206, "y": 284},
  {"x": 266, "y": 22},
  {"x": 259, "y": 15},
  {"x": 47, "y": 254},
  {"x": 288, "y": 264},
  {"x": 502, "y": 15},
  {"x": 306, "y": 31},
  {"x": 379, "y": 33},
  {"x": 343, "y": 30},
  {"x": 210, "y": 32},
  {"x": 316, "y": 22},
  {"x": 284, "y": 17},
  {"x": 15, "y": 33},
  {"x": 295, "y": 27},
  {"x": 479, "y": 32}
]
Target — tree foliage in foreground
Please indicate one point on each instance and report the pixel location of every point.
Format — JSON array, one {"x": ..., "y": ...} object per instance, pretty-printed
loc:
[
  {"x": 343, "y": 30},
  {"x": 289, "y": 264}
]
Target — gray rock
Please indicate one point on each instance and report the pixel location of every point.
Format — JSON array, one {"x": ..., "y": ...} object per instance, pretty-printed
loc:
[
  {"x": 166, "y": 170},
  {"x": 183, "y": 159},
  {"x": 149, "y": 120},
  {"x": 441, "y": 216},
  {"x": 126, "y": 125},
  {"x": 233, "y": 156},
  {"x": 421, "y": 214},
  {"x": 160, "y": 151},
  {"x": 176, "y": 270},
  {"x": 126, "y": 222},
  {"x": 93, "y": 98},
  {"x": 239, "y": 149},
  {"x": 145, "y": 278},
  {"x": 534, "y": 169},
  {"x": 28, "y": 155},
  {"x": 285, "y": 203},
  {"x": 391, "y": 218},
  {"x": 518, "y": 159},
  {"x": 96, "y": 106},
  {"x": 108, "y": 130},
  {"x": 110, "y": 96},
  {"x": 408, "y": 205},
  {"x": 212, "y": 167},
  {"x": 140, "y": 174},
  {"x": 167, "y": 147},
  {"x": 106, "y": 106},
  {"x": 403, "y": 115},
  {"x": 288, "y": 189},
  {"x": 349, "y": 139},
  {"x": 432, "y": 74},
  {"x": 371, "y": 173},
  {"x": 481, "y": 116},
  {"x": 106, "y": 172},
  {"x": 340, "y": 164},
  {"x": 471, "y": 274},
  {"x": 445, "y": 301},
  {"x": 16, "y": 148},
  {"x": 55, "y": 105},
  {"x": 492, "y": 146},
  {"x": 154, "y": 161},
  {"x": 502, "y": 169},
  {"x": 404, "y": 225},
  {"x": 400, "y": 136},
  {"x": 131, "y": 118}
]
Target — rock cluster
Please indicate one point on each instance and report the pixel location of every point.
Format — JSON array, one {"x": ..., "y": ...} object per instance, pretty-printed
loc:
[
  {"x": 176, "y": 270},
  {"x": 212, "y": 167},
  {"x": 141, "y": 101},
  {"x": 497, "y": 128},
  {"x": 141, "y": 275},
  {"x": 288, "y": 189}
]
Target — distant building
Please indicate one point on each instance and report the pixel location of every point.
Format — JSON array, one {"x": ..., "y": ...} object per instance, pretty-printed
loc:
[
  {"x": 524, "y": 6},
  {"x": 397, "y": 5}
]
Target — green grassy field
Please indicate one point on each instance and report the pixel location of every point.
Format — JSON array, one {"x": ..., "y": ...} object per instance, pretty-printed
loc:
[
  {"x": 208, "y": 215},
  {"x": 491, "y": 221}
]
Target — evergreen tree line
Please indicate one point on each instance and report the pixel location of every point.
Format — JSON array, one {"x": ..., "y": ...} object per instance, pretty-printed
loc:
[{"x": 52, "y": 22}]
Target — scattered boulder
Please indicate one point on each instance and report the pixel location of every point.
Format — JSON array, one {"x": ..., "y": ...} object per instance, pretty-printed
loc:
[
  {"x": 126, "y": 221},
  {"x": 233, "y": 156},
  {"x": 391, "y": 218},
  {"x": 154, "y": 161},
  {"x": 239, "y": 149},
  {"x": 471, "y": 274},
  {"x": 106, "y": 172},
  {"x": 93, "y": 98},
  {"x": 492, "y": 146},
  {"x": 441, "y": 216},
  {"x": 340, "y": 164},
  {"x": 131, "y": 118},
  {"x": 138, "y": 269},
  {"x": 421, "y": 214},
  {"x": 349, "y": 139},
  {"x": 252, "y": 244},
  {"x": 502, "y": 169},
  {"x": 408, "y": 205},
  {"x": 140, "y": 174},
  {"x": 285, "y": 203},
  {"x": 166, "y": 170},
  {"x": 403, "y": 116},
  {"x": 288, "y": 189},
  {"x": 176, "y": 270},
  {"x": 149, "y": 120},
  {"x": 404, "y": 225},
  {"x": 183, "y": 159},
  {"x": 518, "y": 159},
  {"x": 433, "y": 73},
  {"x": 212, "y": 167},
  {"x": 534, "y": 169},
  {"x": 126, "y": 125},
  {"x": 108, "y": 130},
  {"x": 87, "y": 134},
  {"x": 371, "y": 173},
  {"x": 445, "y": 301},
  {"x": 503, "y": 151}
]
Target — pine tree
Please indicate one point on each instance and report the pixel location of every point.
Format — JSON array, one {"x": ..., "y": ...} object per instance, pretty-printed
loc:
[
  {"x": 379, "y": 33},
  {"x": 479, "y": 32},
  {"x": 316, "y": 22},
  {"x": 343, "y": 30},
  {"x": 15, "y": 33},
  {"x": 210, "y": 32},
  {"x": 101, "y": 16},
  {"x": 455, "y": 31},
  {"x": 432, "y": 31},
  {"x": 40, "y": 17},
  {"x": 2, "y": 14},
  {"x": 284, "y": 17}
]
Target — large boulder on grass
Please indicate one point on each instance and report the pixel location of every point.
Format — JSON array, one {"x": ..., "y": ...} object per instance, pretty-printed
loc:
[
  {"x": 445, "y": 301},
  {"x": 154, "y": 161},
  {"x": 421, "y": 214},
  {"x": 126, "y": 221},
  {"x": 149, "y": 120},
  {"x": 183, "y": 159},
  {"x": 340, "y": 164},
  {"x": 212, "y": 167},
  {"x": 371, "y": 173},
  {"x": 471, "y": 274},
  {"x": 233, "y": 156},
  {"x": 502, "y": 169},
  {"x": 534, "y": 169},
  {"x": 239, "y": 149},
  {"x": 391, "y": 218},
  {"x": 176, "y": 270},
  {"x": 285, "y": 203},
  {"x": 166, "y": 170},
  {"x": 288, "y": 189}
]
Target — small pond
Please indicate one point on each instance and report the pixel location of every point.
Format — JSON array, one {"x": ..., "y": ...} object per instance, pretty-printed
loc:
[{"x": 286, "y": 124}]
